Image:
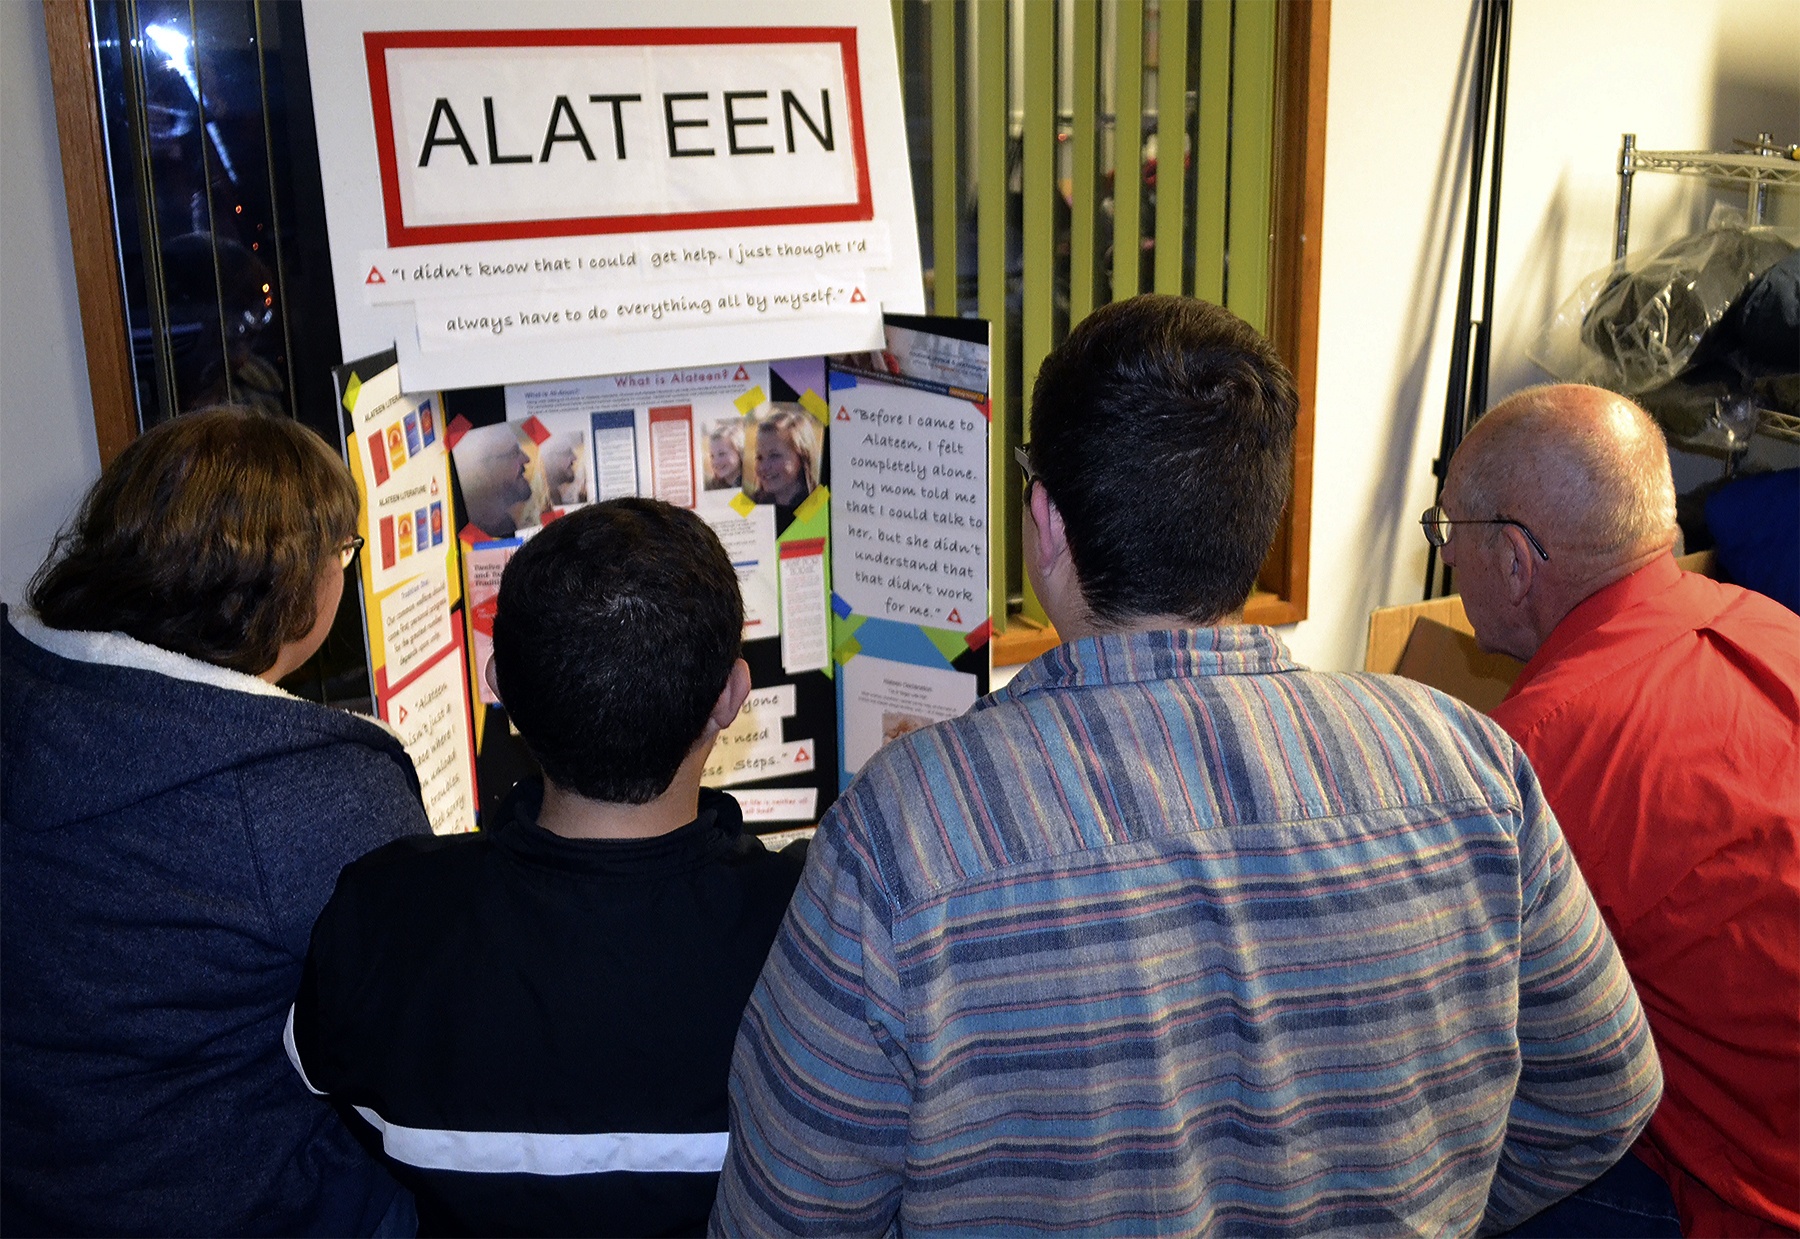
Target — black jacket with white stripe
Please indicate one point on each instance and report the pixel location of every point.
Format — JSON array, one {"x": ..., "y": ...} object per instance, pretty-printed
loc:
[{"x": 536, "y": 1031}]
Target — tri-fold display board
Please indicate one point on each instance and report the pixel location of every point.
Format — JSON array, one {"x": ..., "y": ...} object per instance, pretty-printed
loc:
[
  {"x": 850, "y": 492},
  {"x": 709, "y": 208}
]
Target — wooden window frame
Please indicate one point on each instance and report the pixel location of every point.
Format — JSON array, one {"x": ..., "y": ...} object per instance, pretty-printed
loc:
[
  {"x": 1294, "y": 302},
  {"x": 75, "y": 86}
]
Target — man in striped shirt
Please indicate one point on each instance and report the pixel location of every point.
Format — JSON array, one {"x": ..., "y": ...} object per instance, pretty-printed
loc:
[{"x": 1172, "y": 935}]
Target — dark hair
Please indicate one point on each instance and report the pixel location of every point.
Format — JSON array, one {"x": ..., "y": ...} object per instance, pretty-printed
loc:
[
  {"x": 206, "y": 536},
  {"x": 1162, "y": 429},
  {"x": 614, "y": 633}
]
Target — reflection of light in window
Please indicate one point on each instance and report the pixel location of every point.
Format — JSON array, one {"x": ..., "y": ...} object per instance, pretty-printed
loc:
[{"x": 175, "y": 45}]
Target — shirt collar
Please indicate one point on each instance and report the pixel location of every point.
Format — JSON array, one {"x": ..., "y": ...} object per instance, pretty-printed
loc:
[
  {"x": 719, "y": 823},
  {"x": 115, "y": 649},
  {"x": 1598, "y": 608},
  {"x": 1166, "y": 654}
]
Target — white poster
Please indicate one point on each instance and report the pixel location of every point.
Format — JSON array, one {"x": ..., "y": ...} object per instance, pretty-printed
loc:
[
  {"x": 753, "y": 747},
  {"x": 730, "y": 765},
  {"x": 615, "y": 453},
  {"x": 486, "y": 564},
  {"x": 432, "y": 716},
  {"x": 884, "y": 700},
  {"x": 415, "y": 623},
  {"x": 778, "y": 804},
  {"x": 397, "y": 445},
  {"x": 628, "y": 453},
  {"x": 517, "y": 192},
  {"x": 909, "y": 534},
  {"x": 674, "y": 477},
  {"x": 805, "y": 618},
  {"x": 750, "y": 541}
]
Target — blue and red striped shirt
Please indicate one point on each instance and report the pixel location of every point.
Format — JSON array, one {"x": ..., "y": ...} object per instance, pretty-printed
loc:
[{"x": 1174, "y": 935}]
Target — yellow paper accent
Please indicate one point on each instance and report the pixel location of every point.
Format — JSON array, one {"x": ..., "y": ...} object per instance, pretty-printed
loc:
[
  {"x": 742, "y": 504},
  {"x": 750, "y": 399},
  {"x": 811, "y": 402},
  {"x": 812, "y": 503},
  {"x": 350, "y": 390}
]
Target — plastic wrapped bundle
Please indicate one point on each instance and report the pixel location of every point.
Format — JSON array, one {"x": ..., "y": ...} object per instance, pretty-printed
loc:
[
  {"x": 1638, "y": 323},
  {"x": 1695, "y": 331}
]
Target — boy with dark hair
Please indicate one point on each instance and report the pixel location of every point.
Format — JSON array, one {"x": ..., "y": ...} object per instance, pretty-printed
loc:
[{"x": 535, "y": 1022}]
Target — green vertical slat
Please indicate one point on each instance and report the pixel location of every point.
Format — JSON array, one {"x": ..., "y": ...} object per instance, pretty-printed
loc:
[
  {"x": 945, "y": 198},
  {"x": 1210, "y": 150},
  {"x": 1128, "y": 139},
  {"x": 1038, "y": 185},
  {"x": 990, "y": 163},
  {"x": 1083, "y": 130},
  {"x": 1171, "y": 143},
  {"x": 899, "y": 8},
  {"x": 1252, "y": 160}
]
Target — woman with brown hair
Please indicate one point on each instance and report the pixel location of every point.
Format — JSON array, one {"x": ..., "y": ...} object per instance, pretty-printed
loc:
[{"x": 173, "y": 823}]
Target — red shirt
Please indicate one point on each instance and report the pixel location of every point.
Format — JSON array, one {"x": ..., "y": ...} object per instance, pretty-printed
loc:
[{"x": 1663, "y": 717}]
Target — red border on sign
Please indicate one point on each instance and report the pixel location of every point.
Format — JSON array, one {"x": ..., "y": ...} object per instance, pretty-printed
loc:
[
  {"x": 376, "y": 45},
  {"x": 800, "y": 548}
]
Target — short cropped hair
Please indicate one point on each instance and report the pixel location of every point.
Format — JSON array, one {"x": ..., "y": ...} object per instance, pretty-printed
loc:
[
  {"x": 207, "y": 536},
  {"x": 615, "y": 631},
  {"x": 1163, "y": 429},
  {"x": 1608, "y": 483}
]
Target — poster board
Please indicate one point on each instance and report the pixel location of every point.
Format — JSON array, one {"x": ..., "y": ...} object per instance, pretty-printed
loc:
[
  {"x": 911, "y": 613},
  {"x": 411, "y": 580},
  {"x": 830, "y": 682},
  {"x": 517, "y": 193},
  {"x": 525, "y": 455}
]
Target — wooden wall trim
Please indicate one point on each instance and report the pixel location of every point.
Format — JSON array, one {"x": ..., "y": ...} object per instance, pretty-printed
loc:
[
  {"x": 1300, "y": 198},
  {"x": 88, "y": 191}
]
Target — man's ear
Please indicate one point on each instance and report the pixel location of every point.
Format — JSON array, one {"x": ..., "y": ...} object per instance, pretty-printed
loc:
[
  {"x": 1518, "y": 564},
  {"x": 731, "y": 697},
  {"x": 1052, "y": 538}
]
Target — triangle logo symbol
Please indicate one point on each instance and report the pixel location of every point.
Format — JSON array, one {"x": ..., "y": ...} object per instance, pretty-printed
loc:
[
  {"x": 954, "y": 618},
  {"x": 856, "y": 297},
  {"x": 401, "y": 711},
  {"x": 741, "y": 376},
  {"x": 802, "y": 755},
  {"x": 843, "y": 414},
  {"x": 375, "y": 276}
]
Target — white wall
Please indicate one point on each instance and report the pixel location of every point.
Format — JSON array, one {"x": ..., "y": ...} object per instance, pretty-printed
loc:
[
  {"x": 1681, "y": 74},
  {"x": 48, "y": 454}
]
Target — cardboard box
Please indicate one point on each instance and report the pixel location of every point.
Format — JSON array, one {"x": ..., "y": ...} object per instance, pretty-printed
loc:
[{"x": 1434, "y": 643}]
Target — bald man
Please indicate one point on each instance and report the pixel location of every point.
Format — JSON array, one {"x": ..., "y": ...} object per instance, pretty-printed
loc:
[{"x": 1662, "y": 712}]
